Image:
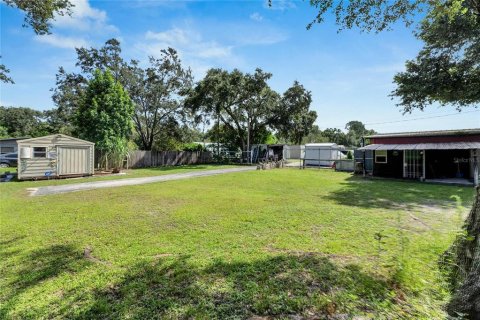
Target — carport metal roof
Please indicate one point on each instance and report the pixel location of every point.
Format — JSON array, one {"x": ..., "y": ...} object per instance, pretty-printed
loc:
[{"x": 424, "y": 146}]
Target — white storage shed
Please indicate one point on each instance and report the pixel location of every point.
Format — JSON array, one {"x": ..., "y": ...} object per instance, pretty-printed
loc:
[
  {"x": 56, "y": 155},
  {"x": 323, "y": 154},
  {"x": 294, "y": 152}
]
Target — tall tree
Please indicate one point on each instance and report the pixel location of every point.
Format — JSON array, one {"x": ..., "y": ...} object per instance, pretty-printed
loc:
[
  {"x": 336, "y": 136},
  {"x": 105, "y": 115},
  {"x": 368, "y": 15},
  {"x": 243, "y": 103},
  {"x": 67, "y": 96},
  {"x": 3, "y": 132},
  {"x": 355, "y": 131},
  {"x": 4, "y": 71},
  {"x": 155, "y": 90},
  {"x": 21, "y": 121},
  {"x": 108, "y": 57},
  {"x": 314, "y": 136},
  {"x": 447, "y": 69},
  {"x": 39, "y": 14},
  {"x": 296, "y": 118}
]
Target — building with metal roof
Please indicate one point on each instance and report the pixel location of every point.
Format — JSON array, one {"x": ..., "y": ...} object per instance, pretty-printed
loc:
[
  {"x": 56, "y": 155},
  {"x": 446, "y": 155},
  {"x": 9, "y": 145}
]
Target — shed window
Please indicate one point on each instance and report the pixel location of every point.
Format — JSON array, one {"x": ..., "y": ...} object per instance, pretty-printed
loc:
[
  {"x": 381, "y": 156},
  {"x": 39, "y": 152}
]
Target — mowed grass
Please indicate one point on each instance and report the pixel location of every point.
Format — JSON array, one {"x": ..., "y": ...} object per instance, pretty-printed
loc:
[
  {"x": 284, "y": 243},
  {"x": 8, "y": 169}
]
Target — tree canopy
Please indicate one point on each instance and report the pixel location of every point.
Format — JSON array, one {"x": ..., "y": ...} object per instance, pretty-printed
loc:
[
  {"x": 352, "y": 138},
  {"x": 247, "y": 110},
  {"x": 22, "y": 122},
  {"x": 242, "y": 103},
  {"x": 356, "y": 130},
  {"x": 367, "y": 15},
  {"x": 296, "y": 119},
  {"x": 155, "y": 90},
  {"x": 4, "y": 71},
  {"x": 105, "y": 114},
  {"x": 39, "y": 14},
  {"x": 447, "y": 69}
]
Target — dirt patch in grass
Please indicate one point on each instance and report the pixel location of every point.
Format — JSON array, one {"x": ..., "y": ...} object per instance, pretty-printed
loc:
[
  {"x": 338, "y": 258},
  {"x": 87, "y": 254}
]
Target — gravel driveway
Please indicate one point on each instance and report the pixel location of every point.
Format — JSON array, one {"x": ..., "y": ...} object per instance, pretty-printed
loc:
[{"x": 41, "y": 191}]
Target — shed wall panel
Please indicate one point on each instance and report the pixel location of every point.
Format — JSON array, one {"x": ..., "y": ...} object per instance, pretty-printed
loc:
[{"x": 29, "y": 168}]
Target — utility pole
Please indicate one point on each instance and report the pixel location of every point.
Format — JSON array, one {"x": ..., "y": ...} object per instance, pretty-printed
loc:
[
  {"x": 218, "y": 132},
  {"x": 248, "y": 139}
]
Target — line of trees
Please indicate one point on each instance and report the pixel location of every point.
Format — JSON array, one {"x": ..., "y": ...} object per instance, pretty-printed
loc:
[{"x": 168, "y": 107}]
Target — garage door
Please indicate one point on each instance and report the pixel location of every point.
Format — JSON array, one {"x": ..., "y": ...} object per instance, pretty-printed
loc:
[{"x": 72, "y": 160}]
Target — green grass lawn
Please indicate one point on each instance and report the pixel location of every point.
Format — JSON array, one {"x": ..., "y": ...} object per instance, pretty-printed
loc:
[
  {"x": 279, "y": 243},
  {"x": 8, "y": 169}
]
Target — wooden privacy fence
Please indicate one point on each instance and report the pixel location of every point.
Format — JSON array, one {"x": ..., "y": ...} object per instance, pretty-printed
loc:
[
  {"x": 140, "y": 159},
  {"x": 143, "y": 159}
]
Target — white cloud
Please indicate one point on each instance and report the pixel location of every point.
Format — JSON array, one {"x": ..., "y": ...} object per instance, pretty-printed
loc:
[
  {"x": 190, "y": 42},
  {"x": 86, "y": 22},
  {"x": 204, "y": 50},
  {"x": 193, "y": 49},
  {"x": 85, "y": 18},
  {"x": 62, "y": 42},
  {"x": 187, "y": 42},
  {"x": 256, "y": 17}
]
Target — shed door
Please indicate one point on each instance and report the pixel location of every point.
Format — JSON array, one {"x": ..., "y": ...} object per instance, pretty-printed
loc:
[
  {"x": 412, "y": 164},
  {"x": 72, "y": 160}
]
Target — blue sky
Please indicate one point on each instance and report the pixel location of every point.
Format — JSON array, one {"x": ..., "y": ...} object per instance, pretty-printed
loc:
[{"x": 349, "y": 73}]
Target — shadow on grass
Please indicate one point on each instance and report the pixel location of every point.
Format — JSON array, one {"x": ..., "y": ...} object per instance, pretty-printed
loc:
[
  {"x": 282, "y": 286},
  {"x": 27, "y": 271},
  {"x": 5, "y": 244},
  {"x": 394, "y": 194}
]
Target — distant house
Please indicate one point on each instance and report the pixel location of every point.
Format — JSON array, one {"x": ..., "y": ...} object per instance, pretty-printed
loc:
[
  {"x": 56, "y": 155},
  {"x": 9, "y": 145},
  {"x": 444, "y": 156}
]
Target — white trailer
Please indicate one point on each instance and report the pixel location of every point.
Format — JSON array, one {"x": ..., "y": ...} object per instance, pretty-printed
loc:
[{"x": 323, "y": 154}]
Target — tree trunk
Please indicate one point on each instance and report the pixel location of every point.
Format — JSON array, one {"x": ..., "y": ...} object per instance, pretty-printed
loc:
[{"x": 465, "y": 273}]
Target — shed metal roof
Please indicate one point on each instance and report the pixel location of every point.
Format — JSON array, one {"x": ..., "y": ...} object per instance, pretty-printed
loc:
[
  {"x": 13, "y": 139},
  {"x": 323, "y": 144},
  {"x": 459, "y": 132},
  {"x": 52, "y": 136},
  {"x": 424, "y": 146}
]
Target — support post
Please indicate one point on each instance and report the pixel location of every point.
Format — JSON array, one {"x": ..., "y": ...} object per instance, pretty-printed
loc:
[
  {"x": 475, "y": 168},
  {"x": 423, "y": 165}
]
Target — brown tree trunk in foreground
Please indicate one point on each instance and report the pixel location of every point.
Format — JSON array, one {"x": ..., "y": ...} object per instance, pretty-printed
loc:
[{"x": 466, "y": 269}]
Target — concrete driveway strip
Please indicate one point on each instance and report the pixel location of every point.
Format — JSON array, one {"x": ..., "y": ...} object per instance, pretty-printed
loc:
[{"x": 42, "y": 191}]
